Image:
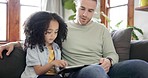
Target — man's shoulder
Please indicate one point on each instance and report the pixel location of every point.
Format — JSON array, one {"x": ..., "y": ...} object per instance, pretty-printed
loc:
[{"x": 98, "y": 24}]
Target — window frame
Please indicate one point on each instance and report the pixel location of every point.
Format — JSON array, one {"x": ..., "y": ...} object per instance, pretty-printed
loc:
[
  {"x": 13, "y": 21},
  {"x": 105, "y": 6}
]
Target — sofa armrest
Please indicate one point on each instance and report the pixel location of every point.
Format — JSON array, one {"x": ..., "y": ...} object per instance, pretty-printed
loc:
[
  {"x": 139, "y": 50},
  {"x": 13, "y": 65}
]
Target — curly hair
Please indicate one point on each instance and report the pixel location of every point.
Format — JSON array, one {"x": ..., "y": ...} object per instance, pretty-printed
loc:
[{"x": 37, "y": 24}]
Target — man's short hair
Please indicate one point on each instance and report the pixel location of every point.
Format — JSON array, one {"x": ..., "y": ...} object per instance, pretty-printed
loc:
[{"x": 75, "y": 1}]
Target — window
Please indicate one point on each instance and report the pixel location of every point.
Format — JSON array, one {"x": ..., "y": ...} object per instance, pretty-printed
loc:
[
  {"x": 12, "y": 15},
  {"x": 28, "y": 7},
  {"x": 3, "y": 20},
  {"x": 118, "y": 10}
]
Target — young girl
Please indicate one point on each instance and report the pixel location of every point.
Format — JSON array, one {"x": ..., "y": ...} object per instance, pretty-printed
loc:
[{"x": 45, "y": 33}]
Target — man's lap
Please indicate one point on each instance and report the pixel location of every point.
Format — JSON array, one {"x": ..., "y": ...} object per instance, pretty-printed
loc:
[
  {"x": 125, "y": 69},
  {"x": 92, "y": 71},
  {"x": 129, "y": 69}
]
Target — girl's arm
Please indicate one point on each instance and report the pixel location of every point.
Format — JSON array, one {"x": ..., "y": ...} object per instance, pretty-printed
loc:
[{"x": 43, "y": 69}]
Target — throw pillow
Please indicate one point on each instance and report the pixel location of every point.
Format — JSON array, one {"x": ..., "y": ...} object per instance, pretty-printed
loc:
[{"x": 121, "y": 40}]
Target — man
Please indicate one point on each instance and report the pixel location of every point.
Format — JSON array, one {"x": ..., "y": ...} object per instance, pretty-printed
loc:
[{"x": 89, "y": 42}]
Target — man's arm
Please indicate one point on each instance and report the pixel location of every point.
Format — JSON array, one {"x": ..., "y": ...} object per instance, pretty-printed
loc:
[{"x": 9, "y": 47}]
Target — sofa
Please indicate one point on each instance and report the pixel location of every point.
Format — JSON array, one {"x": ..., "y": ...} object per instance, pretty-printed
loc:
[
  {"x": 12, "y": 66},
  {"x": 139, "y": 50}
]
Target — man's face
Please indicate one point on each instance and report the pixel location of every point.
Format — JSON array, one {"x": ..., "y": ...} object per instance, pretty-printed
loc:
[{"x": 85, "y": 10}]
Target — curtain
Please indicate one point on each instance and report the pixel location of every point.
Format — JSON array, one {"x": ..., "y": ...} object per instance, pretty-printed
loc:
[{"x": 53, "y": 6}]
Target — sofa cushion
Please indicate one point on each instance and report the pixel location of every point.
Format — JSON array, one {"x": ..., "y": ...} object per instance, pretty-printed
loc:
[
  {"x": 121, "y": 40},
  {"x": 139, "y": 49},
  {"x": 12, "y": 66}
]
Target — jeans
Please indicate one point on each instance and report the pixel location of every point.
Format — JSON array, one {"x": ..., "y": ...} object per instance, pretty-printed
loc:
[
  {"x": 129, "y": 69},
  {"x": 92, "y": 71},
  {"x": 125, "y": 69},
  {"x": 49, "y": 76}
]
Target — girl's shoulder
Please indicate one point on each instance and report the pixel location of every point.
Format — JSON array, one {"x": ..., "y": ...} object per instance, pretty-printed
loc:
[
  {"x": 35, "y": 48},
  {"x": 55, "y": 45}
]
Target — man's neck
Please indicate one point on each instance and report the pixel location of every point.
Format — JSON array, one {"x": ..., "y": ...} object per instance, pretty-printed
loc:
[{"x": 76, "y": 21}]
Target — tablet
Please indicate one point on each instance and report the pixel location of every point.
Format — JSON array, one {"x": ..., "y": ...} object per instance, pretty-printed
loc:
[{"x": 69, "y": 69}]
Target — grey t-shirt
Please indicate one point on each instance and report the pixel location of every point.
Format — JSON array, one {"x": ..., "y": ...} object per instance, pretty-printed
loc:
[{"x": 87, "y": 44}]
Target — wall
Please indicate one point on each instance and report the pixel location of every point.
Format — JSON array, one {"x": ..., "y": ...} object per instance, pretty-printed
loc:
[{"x": 141, "y": 20}]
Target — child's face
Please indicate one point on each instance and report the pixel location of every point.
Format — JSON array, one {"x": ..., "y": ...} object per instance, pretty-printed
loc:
[{"x": 52, "y": 32}]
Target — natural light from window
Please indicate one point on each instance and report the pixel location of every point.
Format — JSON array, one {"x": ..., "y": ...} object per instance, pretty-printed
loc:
[
  {"x": 3, "y": 20},
  {"x": 117, "y": 2},
  {"x": 117, "y": 13},
  {"x": 27, "y": 8}
]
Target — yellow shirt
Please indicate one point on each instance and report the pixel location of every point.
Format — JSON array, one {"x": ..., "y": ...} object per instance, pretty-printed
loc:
[{"x": 51, "y": 58}]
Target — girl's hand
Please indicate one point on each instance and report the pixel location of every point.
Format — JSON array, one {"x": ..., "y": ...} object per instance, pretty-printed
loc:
[
  {"x": 39, "y": 69},
  {"x": 59, "y": 63}
]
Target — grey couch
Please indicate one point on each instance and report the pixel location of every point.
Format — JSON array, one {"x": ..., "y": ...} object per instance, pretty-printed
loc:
[
  {"x": 12, "y": 66},
  {"x": 139, "y": 50}
]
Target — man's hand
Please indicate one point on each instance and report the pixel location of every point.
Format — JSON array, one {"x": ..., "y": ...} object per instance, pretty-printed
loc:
[
  {"x": 105, "y": 63},
  {"x": 9, "y": 47}
]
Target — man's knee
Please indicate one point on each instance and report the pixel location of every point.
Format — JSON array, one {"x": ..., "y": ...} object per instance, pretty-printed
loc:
[
  {"x": 136, "y": 64},
  {"x": 130, "y": 66},
  {"x": 93, "y": 71}
]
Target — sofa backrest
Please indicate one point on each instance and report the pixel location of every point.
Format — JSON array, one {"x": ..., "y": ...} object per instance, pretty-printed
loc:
[
  {"x": 12, "y": 66},
  {"x": 139, "y": 50}
]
